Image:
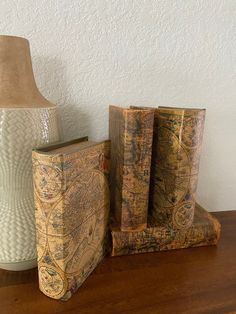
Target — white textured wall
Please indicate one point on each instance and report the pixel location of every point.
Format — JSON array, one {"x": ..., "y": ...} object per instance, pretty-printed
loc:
[{"x": 90, "y": 53}]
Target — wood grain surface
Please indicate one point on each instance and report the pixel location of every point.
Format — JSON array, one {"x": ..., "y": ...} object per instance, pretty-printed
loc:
[{"x": 197, "y": 280}]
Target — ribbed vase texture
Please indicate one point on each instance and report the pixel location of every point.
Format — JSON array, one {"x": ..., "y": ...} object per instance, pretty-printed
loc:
[{"x": 21, "y": 129}]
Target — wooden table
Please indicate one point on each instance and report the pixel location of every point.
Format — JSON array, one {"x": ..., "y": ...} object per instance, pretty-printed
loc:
[{"x": 198, "y": 280}]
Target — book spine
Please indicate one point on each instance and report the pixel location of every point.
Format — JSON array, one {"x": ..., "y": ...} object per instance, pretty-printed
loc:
[
  {"x": 116, "y": 136},
  {"x": 49, "y": 185},
  {"x": 159, "y": 238},
  {"x": 138, "y": 137},
  {"x": 131, "y": 134},
  {"x": 175, "y": 161}
]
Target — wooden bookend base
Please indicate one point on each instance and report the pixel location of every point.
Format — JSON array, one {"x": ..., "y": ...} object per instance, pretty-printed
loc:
[{"x": 204, "y": 231}]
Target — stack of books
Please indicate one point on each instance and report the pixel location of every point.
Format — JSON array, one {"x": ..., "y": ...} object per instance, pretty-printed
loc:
[
  {"x": 141, "y": 183},
  {"x": 155, "y": 155}
]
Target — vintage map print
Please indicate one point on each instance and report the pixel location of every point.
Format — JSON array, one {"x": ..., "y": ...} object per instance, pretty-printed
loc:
[
  {"x": 205, "y": 230},
  {"x": 177, "y": 143},
  {"x": 131, "y": 134},
  {"x": 72, "y": 209}
]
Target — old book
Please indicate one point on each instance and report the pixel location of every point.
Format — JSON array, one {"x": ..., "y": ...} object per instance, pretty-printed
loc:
[
  {"x": 72, "y": 209},
  {"x": 205, "y": 230},
  {"x": 177, "y": 140},
  {"x": 130, "y": 132}
]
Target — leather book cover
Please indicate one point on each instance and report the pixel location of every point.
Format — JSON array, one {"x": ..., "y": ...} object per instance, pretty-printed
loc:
[
  {"x": 177, "y": 140},
  {"x": 131, "y": 134},
  {"x": 204, "y": 231},
  {"x": 72, "y": 209}
]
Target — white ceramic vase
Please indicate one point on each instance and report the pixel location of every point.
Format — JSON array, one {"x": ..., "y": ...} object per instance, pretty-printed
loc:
[{"x": 27, "y": 120}]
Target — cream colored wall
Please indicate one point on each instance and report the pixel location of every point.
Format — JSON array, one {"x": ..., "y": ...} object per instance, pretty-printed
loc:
[{"x": 87, "y": 54}]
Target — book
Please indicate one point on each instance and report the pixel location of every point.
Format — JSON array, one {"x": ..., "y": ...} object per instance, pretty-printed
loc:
[
  {"x": 131, "y": 133},
  {"x": 204, "y": 231},
  {"x": 177, "y": 140},
  {"x": 71, "y": 189}
]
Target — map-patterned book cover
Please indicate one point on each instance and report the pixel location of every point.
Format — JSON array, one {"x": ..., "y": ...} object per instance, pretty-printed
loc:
[
  {"x": 177, "y": 141},
  {"x": 131, "y": 134},
  {"x": 204, "y": 231},
  {"x": 72, "y": 212}
]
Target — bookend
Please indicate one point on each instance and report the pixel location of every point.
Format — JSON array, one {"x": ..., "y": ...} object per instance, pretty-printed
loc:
[{"x": 174, "y": 219}]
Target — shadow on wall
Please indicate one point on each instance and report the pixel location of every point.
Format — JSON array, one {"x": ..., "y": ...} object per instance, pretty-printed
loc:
[{"x": 50, "y": 75}]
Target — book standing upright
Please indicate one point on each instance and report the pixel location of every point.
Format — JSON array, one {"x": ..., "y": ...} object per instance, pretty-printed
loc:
[
  {"x": 131, "y": 135},
  {"x": 175, "y": 221},
  {"x": 72, "y": 211}
]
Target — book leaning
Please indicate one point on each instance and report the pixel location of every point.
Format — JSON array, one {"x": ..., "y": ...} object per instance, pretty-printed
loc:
[{"x": 72, "y": 208}]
